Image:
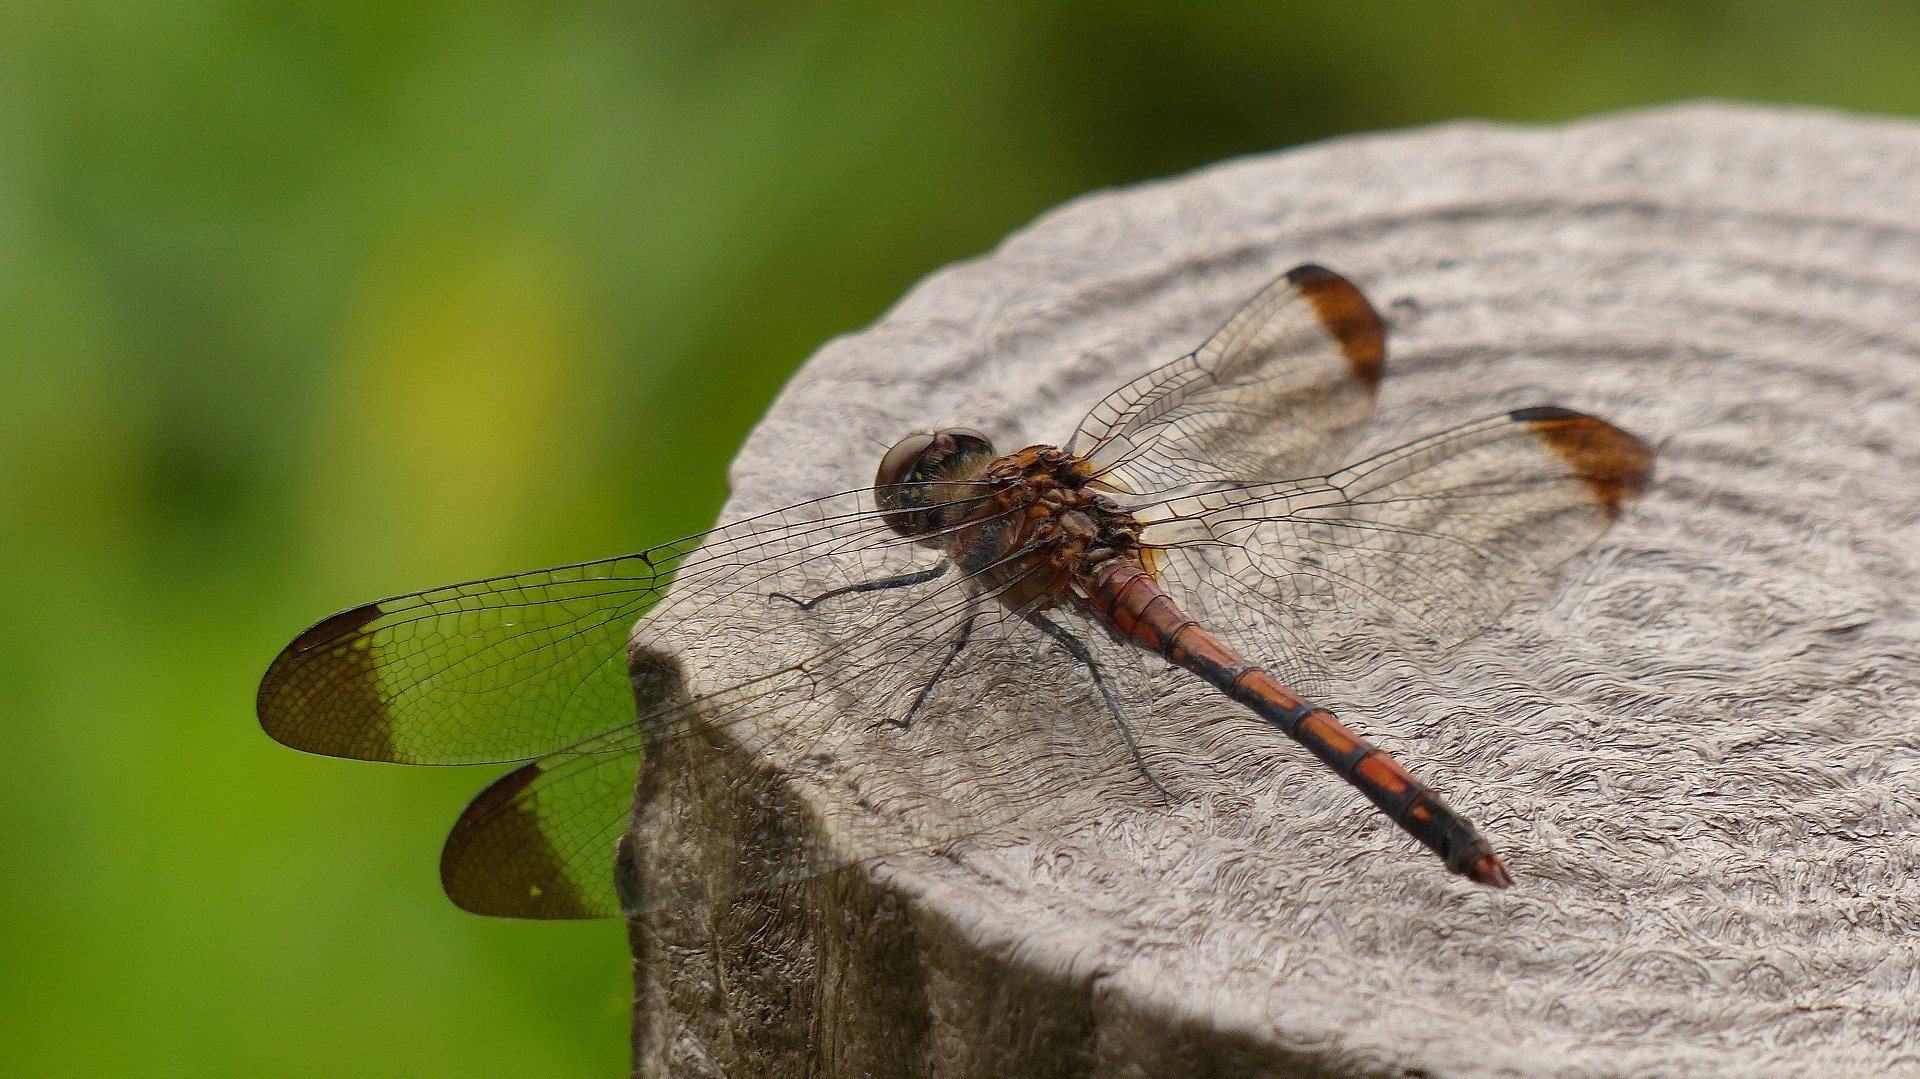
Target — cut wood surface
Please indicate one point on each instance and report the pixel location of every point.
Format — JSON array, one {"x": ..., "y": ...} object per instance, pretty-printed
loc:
[{"x": 1699, "y": 751}]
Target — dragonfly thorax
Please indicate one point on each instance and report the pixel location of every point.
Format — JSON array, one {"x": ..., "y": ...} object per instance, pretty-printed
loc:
[{"x": 1041, "y": 525}]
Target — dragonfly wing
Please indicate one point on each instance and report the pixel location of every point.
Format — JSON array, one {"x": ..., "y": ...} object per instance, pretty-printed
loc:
[
  {"x": 1416, "y": 549},
  {"x": 494, "y": 670},
  {"x": 539, "y": 841},
  {"x": 509, "y": 668},
  {"x": 536, "y": 665},
  {"x": 1281, "y": 390}
]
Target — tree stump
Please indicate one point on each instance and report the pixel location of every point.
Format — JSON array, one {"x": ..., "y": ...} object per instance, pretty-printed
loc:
[{"x": 1699, "y": 752}]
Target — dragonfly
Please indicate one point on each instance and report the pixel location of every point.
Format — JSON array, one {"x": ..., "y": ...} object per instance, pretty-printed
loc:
[{"x": 1200, "y": 519}]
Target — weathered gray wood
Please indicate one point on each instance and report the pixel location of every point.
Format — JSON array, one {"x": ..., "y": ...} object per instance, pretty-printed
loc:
[{"x": 1698, "y": 753}]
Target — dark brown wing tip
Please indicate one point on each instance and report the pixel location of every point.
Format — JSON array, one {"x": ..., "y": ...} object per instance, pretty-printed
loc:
[
  {"x": 498, "y": 862},
  {"x": 323, "y": 673},
  {"x": 1616, "y": 465},
  {"x": 1345, "y": 312}
]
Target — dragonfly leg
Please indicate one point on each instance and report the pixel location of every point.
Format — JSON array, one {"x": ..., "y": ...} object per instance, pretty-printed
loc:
[
  {"x": 953, "y": 652},
  {"x": 899, "y": 581},
  {"x": 1078, "y": 649}
]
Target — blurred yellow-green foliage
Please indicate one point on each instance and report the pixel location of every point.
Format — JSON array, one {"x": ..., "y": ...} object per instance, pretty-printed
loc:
[{"x": 303, "y": 304}]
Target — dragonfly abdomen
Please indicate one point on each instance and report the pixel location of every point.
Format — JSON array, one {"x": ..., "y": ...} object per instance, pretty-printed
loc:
[{"x": 1135, "y": 604}]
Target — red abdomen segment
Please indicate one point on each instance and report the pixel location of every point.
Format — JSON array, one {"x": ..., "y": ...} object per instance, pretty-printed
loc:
[{"x": 1134, "y": 602}]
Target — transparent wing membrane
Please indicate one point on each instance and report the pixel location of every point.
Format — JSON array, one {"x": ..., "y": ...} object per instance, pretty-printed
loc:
[
  {"x": 508, "y": 668},
  {"x": 1412, "y": 551},
  {"x": 1281, "y": 390}
]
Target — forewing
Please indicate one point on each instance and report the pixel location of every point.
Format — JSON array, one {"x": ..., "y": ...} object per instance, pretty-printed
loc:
[
  {"x": 1416, "y": 549},
  {"x": 511, "y": 667},
  {"x": 495, "y": 670},
  {"x": 1280, "y": 391}
]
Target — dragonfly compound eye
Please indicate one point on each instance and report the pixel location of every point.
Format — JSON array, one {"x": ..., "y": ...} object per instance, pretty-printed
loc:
[{"x": 921, "y": 478}]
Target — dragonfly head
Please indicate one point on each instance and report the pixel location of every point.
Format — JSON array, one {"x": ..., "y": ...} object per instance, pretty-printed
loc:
[{"x": 923, "y": 485}]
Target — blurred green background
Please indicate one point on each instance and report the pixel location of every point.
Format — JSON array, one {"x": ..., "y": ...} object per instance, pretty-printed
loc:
[{"x": 302, "y": 304}]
